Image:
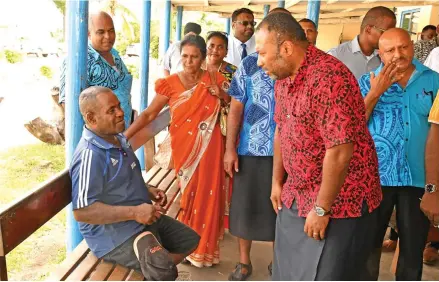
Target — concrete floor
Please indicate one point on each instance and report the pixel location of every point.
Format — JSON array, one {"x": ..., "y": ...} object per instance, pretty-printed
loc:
[{"x": 261, "y": 257}]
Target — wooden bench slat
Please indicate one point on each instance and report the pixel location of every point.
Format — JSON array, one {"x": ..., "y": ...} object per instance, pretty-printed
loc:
[
  {"x": 134, "y": 276},
  {"x": 172, "y": 193},
  {"x": 158, "y": 178},
  {"x": 69, "y": 264},
  {"x": 119, "y": 273},
  {"x": 84, "y": 268},
  {"x": 147, "y": 176},
  {"x": 166, "y": 183},
  {"x": 102, "y": 271},
  {"x": 175, "y": 207}
]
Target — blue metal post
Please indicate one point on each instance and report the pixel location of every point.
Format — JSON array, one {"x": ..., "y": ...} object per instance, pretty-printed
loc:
[
  {"x": 179, "y": 23},
  {"x": 227, "y": 25},
  {"x": 281, "y": 3},
  {"x": 77, "y": 11},
  {"x": 266, "y": 10},
  {"x": 313, "y": 11},
  {"x": 145, "y": 36},
  {"x": 166, "y": 30}
]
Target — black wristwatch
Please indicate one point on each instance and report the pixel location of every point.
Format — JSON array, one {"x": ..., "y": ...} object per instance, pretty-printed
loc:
[
  {"x": 430, "y": 188},
  {"x": 321, "y": 211}
]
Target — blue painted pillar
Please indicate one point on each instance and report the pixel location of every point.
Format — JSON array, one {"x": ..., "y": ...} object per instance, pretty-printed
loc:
[
  {"x": 179, "y": 23},
  {"x": 227, "y": 25},
  {"x": 77, "y": 11},
  {"x": 281, "y": 3},
  {"x": 313, "y": 11},
  {"x": 166, "y": 28},
  {"x": 145, "y": 36},
  {"x": 266, "y": 10}
]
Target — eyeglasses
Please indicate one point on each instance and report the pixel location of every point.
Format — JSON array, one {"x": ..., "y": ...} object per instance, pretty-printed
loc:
[
  {"x": 380, "y": 29},
  {"x": 246, "y": 23}
]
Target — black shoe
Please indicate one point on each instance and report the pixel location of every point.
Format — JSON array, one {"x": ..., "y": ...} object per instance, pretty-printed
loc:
[
  {"x": 155, "y": 261},
  {"x": 270, "y": 268},
  {"x": 237, "y": 274}
]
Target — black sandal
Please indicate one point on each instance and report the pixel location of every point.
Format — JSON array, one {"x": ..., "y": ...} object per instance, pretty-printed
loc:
[
  {"x": 270, "y": 268},
  {"x": 237, "y": 274}
]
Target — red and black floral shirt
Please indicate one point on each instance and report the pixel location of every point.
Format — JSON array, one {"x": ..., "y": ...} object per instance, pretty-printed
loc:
[{"x": 320, "y": 109}]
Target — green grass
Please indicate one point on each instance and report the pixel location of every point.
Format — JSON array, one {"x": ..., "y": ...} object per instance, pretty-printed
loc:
[{"x": 21, "y": 170}]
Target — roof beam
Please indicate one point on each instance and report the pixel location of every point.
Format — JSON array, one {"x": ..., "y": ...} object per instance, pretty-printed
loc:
[
  {"x": 206, "y": 3},
  {"x": 291, "y": 3},
  {"x": 247, "y": 2}
]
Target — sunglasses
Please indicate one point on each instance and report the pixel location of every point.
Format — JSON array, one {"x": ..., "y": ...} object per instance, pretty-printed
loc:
[
  {"x": 246, "y": 23},
  {"x": 380, "y": 29}
]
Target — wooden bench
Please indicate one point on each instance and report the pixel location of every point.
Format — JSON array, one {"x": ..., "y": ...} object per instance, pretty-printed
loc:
[{"x": 25, "y": 216}]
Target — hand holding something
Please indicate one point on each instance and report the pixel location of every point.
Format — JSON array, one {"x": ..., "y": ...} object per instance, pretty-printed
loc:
[
  {"x": 157, "y": 196},
  {"x": 147, "y": 214},
  {"x": 276, "y": 191}
]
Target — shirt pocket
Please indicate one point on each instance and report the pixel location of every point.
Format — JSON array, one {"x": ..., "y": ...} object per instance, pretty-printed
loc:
[{"x": 422, "y": 101}]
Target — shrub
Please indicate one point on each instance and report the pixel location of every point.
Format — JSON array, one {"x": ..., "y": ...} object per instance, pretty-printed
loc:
[
  {"x": 154, "y": 46},
  {"x": 13, "y": 57},
  {"x": 133, "y": 70},
  {"x": 46, "y": 71}
]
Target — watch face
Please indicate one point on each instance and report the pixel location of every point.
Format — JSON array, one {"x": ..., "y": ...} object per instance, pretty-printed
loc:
[
  {"x": 320, "y": 211},
  {"x": 430, "y": 188}
]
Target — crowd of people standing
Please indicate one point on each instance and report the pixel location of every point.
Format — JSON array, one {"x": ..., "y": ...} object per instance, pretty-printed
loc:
[{"x": 312, "y": 151}]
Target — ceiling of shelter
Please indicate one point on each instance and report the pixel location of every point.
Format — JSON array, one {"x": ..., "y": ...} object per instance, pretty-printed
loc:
[{"x": 331, "y": 11}]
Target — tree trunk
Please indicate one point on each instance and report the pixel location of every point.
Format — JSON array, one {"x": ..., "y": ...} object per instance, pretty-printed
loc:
[{"x": 44, "y": 131}]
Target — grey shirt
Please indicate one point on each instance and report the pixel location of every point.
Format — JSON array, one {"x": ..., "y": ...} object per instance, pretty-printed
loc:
[{"x": 351, "y": 55}]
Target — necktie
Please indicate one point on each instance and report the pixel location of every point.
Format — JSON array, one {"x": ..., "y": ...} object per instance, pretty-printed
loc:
[{"x": 244, "y": 51}]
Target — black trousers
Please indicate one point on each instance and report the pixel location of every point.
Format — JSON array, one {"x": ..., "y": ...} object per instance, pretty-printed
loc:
[{"x": 413, "y": 228}]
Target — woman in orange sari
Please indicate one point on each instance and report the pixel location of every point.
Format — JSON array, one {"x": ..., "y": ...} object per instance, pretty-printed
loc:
[{"x": 195, "y": 96}]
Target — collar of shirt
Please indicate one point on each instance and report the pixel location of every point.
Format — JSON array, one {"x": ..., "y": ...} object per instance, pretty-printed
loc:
[
  {"x": 419, "y": 70},
  {"x": 239, "y": 43},
  {"x": 95, "y": 54},
  {"x": 91, "y": 137},
  {"x": 355, "y": 46}
]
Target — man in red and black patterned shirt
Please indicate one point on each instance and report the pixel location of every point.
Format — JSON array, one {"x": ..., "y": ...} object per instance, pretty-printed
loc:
[{"x": 326, "y": 209}]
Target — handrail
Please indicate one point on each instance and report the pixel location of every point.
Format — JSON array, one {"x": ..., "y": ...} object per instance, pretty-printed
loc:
[{"x": 152, "y": 129}]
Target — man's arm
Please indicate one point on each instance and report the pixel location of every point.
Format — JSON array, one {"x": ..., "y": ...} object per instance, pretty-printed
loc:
[
  {"x": 100, "y": 213},
  {"x": 278, "y": 165},
  {"x": 278, "y": 173},
  {"x": 379, "y": 85},
  {"x": 430, "y": 201},
  {"x": 335, "y": 168}
]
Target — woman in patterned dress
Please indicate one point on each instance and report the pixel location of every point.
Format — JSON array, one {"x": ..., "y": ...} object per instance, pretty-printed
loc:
[
  {"x": 217, "y": 43},
  {"x": 195, "y": 97}
]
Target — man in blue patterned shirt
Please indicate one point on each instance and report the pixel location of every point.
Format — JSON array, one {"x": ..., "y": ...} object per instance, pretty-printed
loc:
[
  {"x": 251, "y": 162},
  {"x": 398, "y": 98},
  {"x": 104, "y": 65}
]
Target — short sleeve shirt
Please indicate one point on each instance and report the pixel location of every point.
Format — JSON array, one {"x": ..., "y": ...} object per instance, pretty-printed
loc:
[
  {"x": 172, "y": 59},
  {"x": 101, "y": 172},
  {"x": 320, "y": 109},
  {"x": 399, "y": 126},
  {"x": 101, "y": 73},
  {"x": 252, "y": 87},
  {"x": 351, "y": 55}
]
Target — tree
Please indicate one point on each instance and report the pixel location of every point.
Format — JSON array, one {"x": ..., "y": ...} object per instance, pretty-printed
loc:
[
  {"x": 61, "y": 6},
  {"x": 114, "y": 8}
]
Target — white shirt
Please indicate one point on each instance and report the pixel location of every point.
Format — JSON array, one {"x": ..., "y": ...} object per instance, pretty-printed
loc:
[
  {"x": 432, "y": 60},
  {"x": 350, "y": 54},
  {"x": 234, "y": 53},
  {"x": 172, "y": 59}
]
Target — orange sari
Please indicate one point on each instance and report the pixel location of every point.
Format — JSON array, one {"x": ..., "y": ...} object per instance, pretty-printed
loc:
[{"x": 198, "y": 151}]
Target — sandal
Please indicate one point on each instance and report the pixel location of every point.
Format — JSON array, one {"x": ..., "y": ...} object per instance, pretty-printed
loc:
[
  {"x": 237, "y": 274},
  {"x": 270, "y": 268}
]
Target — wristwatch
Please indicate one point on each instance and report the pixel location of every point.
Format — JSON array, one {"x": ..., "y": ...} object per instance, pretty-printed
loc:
[
  {"x": 320, "y": 211},
  {"x": 430, "y": 188}
]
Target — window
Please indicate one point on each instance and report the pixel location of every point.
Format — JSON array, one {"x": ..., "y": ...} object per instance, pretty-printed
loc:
[{"x": 410, "y": 22}]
